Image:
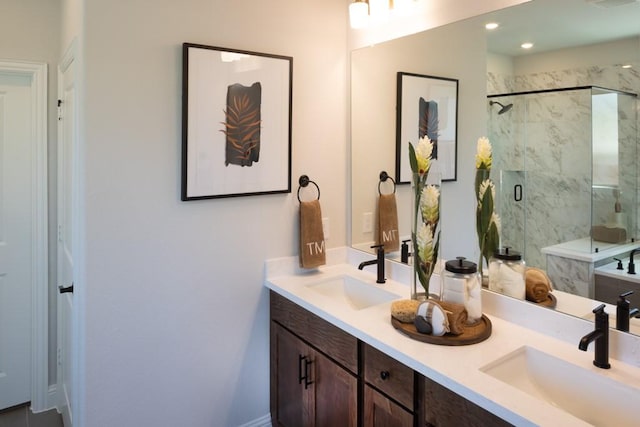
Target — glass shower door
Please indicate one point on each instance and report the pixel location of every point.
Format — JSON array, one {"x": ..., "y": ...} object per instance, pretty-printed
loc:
[{"x": 511, "y": 209}]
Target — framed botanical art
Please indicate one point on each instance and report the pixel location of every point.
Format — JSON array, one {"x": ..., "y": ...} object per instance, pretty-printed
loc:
[
  {"x": 427, "y": 105},
  {"x": 236, "y": 123}
]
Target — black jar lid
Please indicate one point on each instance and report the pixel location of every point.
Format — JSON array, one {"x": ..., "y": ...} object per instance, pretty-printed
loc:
[
  {"x": 459, "y": 265},
  {"x": 507, "y": 254}
]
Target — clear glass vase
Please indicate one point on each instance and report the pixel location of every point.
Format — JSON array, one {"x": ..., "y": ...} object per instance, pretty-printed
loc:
[
  {"x": 425, "y": 234},
  {"x": 487, "y": 233}
]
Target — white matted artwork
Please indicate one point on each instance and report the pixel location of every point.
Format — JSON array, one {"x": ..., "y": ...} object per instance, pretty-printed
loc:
[
  {"x": 236, "y": 123},
  {"x": 426, "y": 105}
]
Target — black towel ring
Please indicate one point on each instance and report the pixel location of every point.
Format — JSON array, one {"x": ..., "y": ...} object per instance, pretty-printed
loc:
[
  {"x": 383, "y": 177},
  {"x": 304, "y": 181}
]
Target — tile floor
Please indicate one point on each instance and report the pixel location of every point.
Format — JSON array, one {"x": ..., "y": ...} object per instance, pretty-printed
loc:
[{"x": 21, "y": 416}]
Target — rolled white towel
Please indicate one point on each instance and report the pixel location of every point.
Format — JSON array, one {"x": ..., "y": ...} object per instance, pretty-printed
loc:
[
  {"x": 473, "y": 300},
  {"x": 454, "y": 290},
  {"x": 494, "y": 272},
  {"x": 511, "y": 282}
]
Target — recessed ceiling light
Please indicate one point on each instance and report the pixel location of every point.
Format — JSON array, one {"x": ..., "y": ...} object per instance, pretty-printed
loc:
[
  {"x": 627, "y": 66},
  {"x": 526, "y": 45},
  {"x": 491, "y": 25}
]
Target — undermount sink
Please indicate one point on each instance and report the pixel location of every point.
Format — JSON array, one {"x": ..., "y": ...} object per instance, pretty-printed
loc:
[
  {"x": 588, "y": 395},
  {"x": 353, "y": 292}
]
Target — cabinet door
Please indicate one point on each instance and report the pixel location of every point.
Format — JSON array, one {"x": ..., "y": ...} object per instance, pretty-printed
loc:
[
  {"x": 379, "y": 411},
  {"x": 444, "y": 408},
  {"x": 288, "y": 397},
  {"x": 307, "y": 388},
  {"x": 336, "y": 394}
]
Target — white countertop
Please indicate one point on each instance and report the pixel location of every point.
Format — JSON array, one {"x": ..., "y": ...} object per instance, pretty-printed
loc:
[
  {"x": 458, "y": 367},
  {"x": 580, "y": 250},
  {"x": 611, "y": 270}
]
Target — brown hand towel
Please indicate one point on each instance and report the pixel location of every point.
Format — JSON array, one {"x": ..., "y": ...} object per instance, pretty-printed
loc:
[
  {"x": 312, "y": 250},
  {"x": 602, "y": 233},
  {"x": 388, "y": 223},
  {"x": 538, "y": 285},
  {"x": 457, "y": 315}
]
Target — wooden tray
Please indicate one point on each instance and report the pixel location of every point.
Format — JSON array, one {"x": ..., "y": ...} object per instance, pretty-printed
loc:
[
  {"x": 472, "y": 334},
  {"x": 550, "y": 302}
]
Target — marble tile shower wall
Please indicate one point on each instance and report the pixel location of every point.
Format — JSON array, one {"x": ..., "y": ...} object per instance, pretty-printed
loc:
[
  {"x": 553, "y": 132},
  {"x": 609, "y": 76}
]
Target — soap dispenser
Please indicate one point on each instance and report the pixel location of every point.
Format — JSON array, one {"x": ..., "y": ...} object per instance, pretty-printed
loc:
[{"x": 404, "y": 251}]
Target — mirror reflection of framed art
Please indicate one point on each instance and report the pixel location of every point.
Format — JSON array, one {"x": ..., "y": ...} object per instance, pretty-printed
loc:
[{"x": 427, "y": 105}]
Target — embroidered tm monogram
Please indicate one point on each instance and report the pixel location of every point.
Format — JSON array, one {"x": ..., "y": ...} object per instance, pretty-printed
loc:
[{"x": 315, "y": 247}]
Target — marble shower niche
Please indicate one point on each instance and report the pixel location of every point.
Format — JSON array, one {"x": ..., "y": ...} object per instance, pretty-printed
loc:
[{"x": 565, "y": 163}]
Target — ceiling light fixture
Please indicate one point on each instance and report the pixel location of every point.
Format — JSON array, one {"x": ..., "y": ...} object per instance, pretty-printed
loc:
[
  {"x": 378, "y": 9},
  {"x": 627, "y": 66},
  {"x": 400, "y": 6},
  {"x": 526, "y": 45},
  {"x": 358, "y": 14},
  {"x": 491, "y": 25},
  {"x": 363, "y": 13}
]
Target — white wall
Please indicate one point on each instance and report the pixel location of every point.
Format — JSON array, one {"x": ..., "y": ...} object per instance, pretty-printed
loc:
[
  {"x": 70, "y": 22},
  {"x": 29, "y": 31},
  {"x": 176, "y": 313}
]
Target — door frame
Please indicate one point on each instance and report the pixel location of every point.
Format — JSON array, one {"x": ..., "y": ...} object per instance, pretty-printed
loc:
[
  {"x": 72, "y": 414},
  {"x": 37, "y": 72}
]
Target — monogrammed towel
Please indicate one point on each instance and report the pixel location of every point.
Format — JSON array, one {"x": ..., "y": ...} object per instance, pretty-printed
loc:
[
  {"x": 388, "y": 222},
  {"x": 312, "y": 248}
]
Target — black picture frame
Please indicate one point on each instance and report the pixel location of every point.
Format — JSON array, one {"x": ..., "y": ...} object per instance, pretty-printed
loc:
[
  {"x": 236, "y": 122},
  {"x": 427, "y": 105}
]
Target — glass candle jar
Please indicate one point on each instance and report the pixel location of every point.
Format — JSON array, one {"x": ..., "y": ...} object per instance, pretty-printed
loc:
[
  {"x": 462, "y": 284},
  {"x": 507, "y": 273}
]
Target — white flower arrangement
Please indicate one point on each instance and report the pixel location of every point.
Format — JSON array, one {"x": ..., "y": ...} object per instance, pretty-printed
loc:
[
  {"x": 487, "y": 221},
  {"x": 426, "y": 230}
]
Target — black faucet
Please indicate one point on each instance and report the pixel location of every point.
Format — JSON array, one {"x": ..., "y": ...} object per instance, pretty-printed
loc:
[
  {"x": 624, "y": 313},
  {"x": 601, "y": 337},
  {"x": 619, "y": 267},
  {"x": 379, "y": 261},
  {"x": 632, "y": 266}
]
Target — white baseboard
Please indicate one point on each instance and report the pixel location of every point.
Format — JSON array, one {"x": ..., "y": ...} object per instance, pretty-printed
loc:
[
  {"x": 50, "y": 403},
  {"x": 52, "y": 397},
  {"x": 264, "y": 421}
]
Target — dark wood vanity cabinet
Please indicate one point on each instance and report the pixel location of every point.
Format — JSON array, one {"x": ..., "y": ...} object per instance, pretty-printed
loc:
[
  {"x": 322, "y": 376},
  {"x": 607, "y": 289},
  {"x": 313, "y": 369}
]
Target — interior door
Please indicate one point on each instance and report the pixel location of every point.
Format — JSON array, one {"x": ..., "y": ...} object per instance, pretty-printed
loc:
[
  {"x": 67, "y": 170},
  {"x": 16, "y": 244}
]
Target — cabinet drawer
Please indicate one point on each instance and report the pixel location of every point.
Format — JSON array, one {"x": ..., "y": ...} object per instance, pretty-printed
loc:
[
  {"x": 331, "y": 340},
  {"x": 389, "y": 376}
]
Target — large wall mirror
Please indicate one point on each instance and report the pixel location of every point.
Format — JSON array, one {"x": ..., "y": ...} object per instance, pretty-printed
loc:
[{"x": 577, "y": 43}]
